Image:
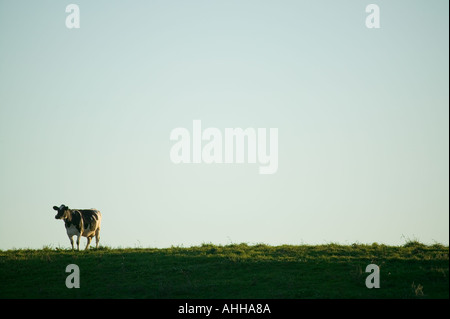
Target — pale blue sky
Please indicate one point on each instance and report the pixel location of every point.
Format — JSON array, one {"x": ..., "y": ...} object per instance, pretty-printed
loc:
[{"x": 362, "y": 114}]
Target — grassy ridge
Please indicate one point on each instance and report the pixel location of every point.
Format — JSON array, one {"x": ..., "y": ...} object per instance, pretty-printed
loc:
[{"x": 234, "y": 271}]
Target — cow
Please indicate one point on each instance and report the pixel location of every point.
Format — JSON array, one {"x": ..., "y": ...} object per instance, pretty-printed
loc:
[{"x": 80, "y": 222}]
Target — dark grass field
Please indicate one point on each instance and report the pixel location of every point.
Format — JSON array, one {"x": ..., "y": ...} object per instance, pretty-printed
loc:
[{"x": 233, "y": 271}]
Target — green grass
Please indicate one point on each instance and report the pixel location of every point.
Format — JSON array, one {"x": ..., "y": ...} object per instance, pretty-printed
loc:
[{"x": 233, "y": 271}]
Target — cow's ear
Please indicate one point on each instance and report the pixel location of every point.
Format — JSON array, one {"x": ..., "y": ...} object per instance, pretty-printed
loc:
[{"x": 55, "y": 208}]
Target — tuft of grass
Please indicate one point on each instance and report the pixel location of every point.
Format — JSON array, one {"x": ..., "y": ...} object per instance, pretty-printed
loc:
[
  {"x": 417, "y": 289},
  {"x": 414, "y": 243}
]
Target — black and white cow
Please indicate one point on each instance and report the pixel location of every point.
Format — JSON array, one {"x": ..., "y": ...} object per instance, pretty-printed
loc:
[{"x": 80, "y": 222}]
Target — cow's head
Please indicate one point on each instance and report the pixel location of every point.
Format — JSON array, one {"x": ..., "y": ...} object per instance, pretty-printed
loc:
[{"x": 63, "y": 210}]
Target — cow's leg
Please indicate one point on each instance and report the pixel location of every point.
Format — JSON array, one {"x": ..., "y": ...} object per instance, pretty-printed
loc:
[
  {"x": 71, "y": 241},
  {"x": 78, "y": 241},
  {"x": 88, "y": 241},
  {"x": 97, "y": 237}
]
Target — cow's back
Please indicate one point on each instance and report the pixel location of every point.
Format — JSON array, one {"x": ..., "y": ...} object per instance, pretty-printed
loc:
[{"x": 91, "y": 220}]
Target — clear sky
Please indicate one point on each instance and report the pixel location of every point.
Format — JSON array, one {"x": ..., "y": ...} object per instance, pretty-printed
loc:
[{"x": 362, "y": 115}]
